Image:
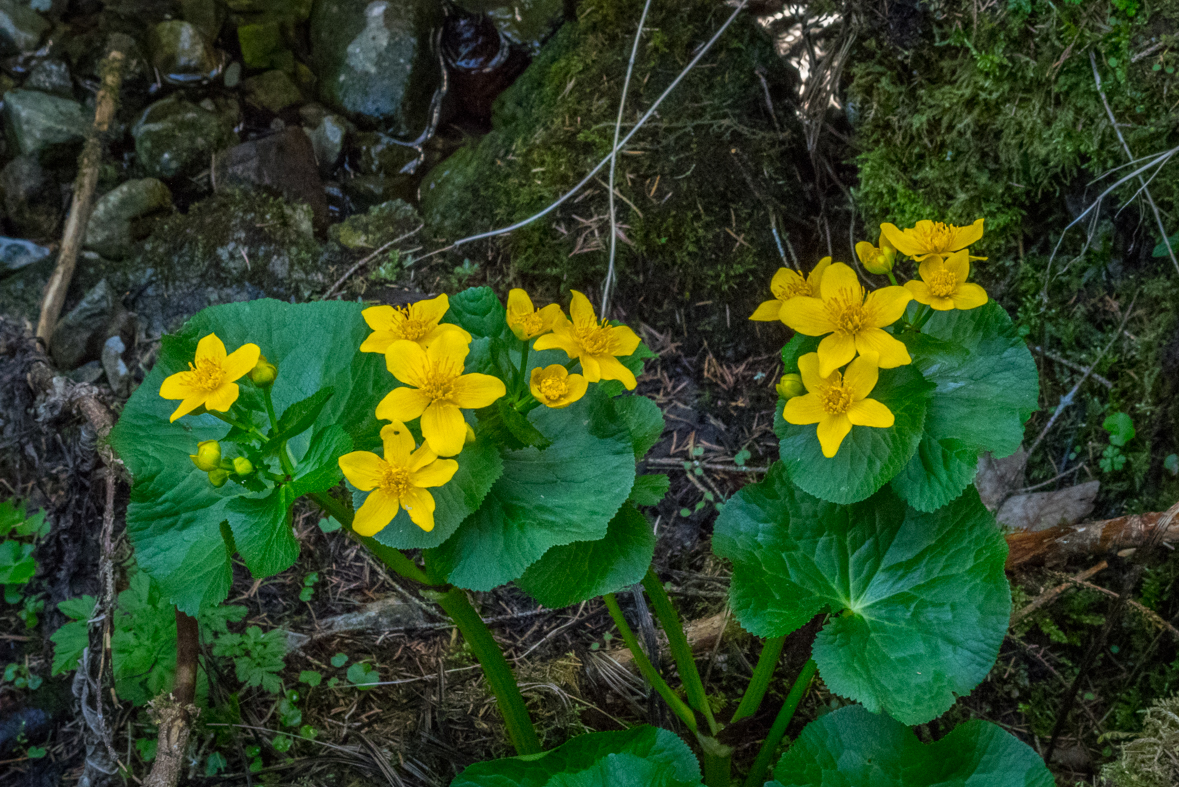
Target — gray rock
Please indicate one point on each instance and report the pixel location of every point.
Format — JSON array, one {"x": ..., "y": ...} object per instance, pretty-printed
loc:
[
  {"x": 273, "y": 91},
  {"x": 380, "y": 225},
  {"x": 233, "y": 75},
  {"x": 327, "y": 133},
  {"x": 111, "y": 231},
  {"x": 182, "y": 55},
  {"x": 89, "y": 372},
  {"x": 526, "y": 23},
  {"x": 16, "y": 254},
  {"x": 35, "y": 121},
  {"x": 51, "y": 76},
  {"x": 374, "y": 59},
  {"x": 284, "y": 162},
  {"x": 32, "y": 201},
  {"x": 79, "y": 335},
  {"x": 117, "y": 373},
  {"x": 205, "y": 14},
  {"x": 366, "y": 191},
  {"x": 175, "y": 137},
  {"x": 378, "y": 154},
  {"x": 21, "y": 28}
]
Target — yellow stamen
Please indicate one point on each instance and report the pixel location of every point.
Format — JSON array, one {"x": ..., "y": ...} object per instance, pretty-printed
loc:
[
  {"x": 206, "y": 373},
  {"x": 942, "y": 284},
  {"x": 593, "y": 337},
  {"x": 553, "y": 388},
  {"x": 836, "y": 399},
  {"x": 395, "y": 481}
]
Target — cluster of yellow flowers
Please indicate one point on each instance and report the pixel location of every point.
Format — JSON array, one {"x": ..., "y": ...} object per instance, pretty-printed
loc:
[{"x": 831, "y": 302}]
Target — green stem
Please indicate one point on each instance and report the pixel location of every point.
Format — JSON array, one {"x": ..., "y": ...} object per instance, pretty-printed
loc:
[
  {"x": 521, "y": 383},
  {"x": 892, "y": 279},
  {"x": 392, "y": 558},
  {"x": 678, "y": 706},
  {"x": 495, "y": 667},
  {"x": 681, "y": 651},
  {"x": 778, "y": 730},
  {"x": 718, "y": 768},
  {"x": 922, "y": 318},
  {"x": 767, "y": 662},
  {"x": 234, "y": 422},
  {"x": 283, "y": 457}
]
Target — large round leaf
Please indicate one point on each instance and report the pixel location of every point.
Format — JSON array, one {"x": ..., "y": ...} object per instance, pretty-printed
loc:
[
  {"x": 175, "y": 516},
  {"x": 639, "y": 757},
  {"x": 853, "y": 748},
  {"x": 919, "y": 601},
  {"x": 566, "y": 492}
]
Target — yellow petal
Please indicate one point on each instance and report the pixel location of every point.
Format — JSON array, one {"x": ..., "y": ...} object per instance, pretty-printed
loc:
[
  {"x": 472, "y": 391},
  {"x": 836, "y": 350},
  {"x": 177, "y": 386},
  {"x": 840, "y": 279},
  {"x": 869, "y": 412},
  {"x": 808, "y": 369},
  {"x": 831, "y": 431},
  {"x": 222, "y": 398},
  {"x": 942, "y": 304},
  {"x": 363, "y": 469},
  {"x": 865, "y": 251},
  {"x": 187, "y": 406},
  {"x": 580, "y": 309},
  {"x": 212, "y": 348},
  {"x": 578, "y": 385},
  {"x": 886, "y": 305},
  {"x": 784, "y": 282},
  {"x": 891, "y": 350},
  {"x": 398, "y": 442},
  {"x": 899, "y": 240},
  {"x": 808, "y": 316},
  {"x": 958, "y": 264},
  {"x": 431, "y": 310},
  {"x": 557, "y": 341},
  {"x": 549, "y": 316},
  {"x": 591, "y": 369},
  {"x": 622, "y": 340},
  {"x": 815, "y": 278},
  {"x": 919, "y": 290},
  {"x": 403, "y": 404},
  {"x": 441, "y": 329},
  {"x": 239, "y": 362},
  {"x": 444, "y": 429},
  {"x": 379, "y": 318},
  {"x": 768, "y": 311},
  {"x": 449, "y": 351},
  {"x": 969, "y": 296},
  {"x": 610, "y": 368},
  {"x": 965, "y": 236},
  {"x": 883, "y": 242},
  {"x": 929, "y": 267},
  {"x": 519, "y": 302},
  {"x": 407, "y": 361},
  {"x": 436, "y": 473},
  {"x": 377, "y": 342},
  {"x": 419, "y": 504},
  {"x": 861, "y": 376},
  {"x": 424, "y": 456},
  {"x": 805, "y": 409},
  {"x": 377, "y": 512}
]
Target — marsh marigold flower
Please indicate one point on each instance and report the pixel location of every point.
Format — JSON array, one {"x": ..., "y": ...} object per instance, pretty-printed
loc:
[
  {"x": 554, "y": 387},
  {"x": 528, "y": 322},
  {"x": 856, "y": 322},
  {"x": 209, "y": 381},
  {"x": 208, "y": 455},
  {"x": 789, "y": 386},
  {"x": 399, "y": 480},
  {"x": 876, "y": 259},
  {"x": 932, "y": 238},
  {"x": 418, "y": 322},
  {"x": 788, "y": 284},
  {"x": 598, "y": 345},
  {"x": 837, "y": 402},
  {"x": 943, "y": 285},
  {"x": 440, "y": 390}
]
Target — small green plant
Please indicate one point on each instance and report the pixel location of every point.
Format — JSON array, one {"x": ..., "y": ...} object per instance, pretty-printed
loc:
[
  {"x": 20, "y": 677},
  {"x": 339, "y": 660},
  {"x": 308, "y": 589},
  {"x": 18, "y": 535},
  {"x": 289, "y": 714},
  {"x": 311, "y": 677},
  {"x": 363, "y": 675},
  {"x": 215, "y": 763},
  {"x": 257, "y": 657},
  {"x": 1121, "y": 431},
  {"x": 390, "y": 269}
]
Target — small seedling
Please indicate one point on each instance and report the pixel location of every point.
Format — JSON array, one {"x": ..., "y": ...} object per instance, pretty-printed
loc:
[
  {"x": 339, "y": 660},
  {"x": 309, "y": 586},
  {"x": 363, "y": 675}
]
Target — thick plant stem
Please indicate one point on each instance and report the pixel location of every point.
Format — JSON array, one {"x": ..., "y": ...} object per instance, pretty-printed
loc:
[
  {"x": 767, "y": 662},
  {"x": 718, "y": 768},
  {"x": 681, "y": 651},
  {"x": 762, "y": 764},
  {"x": 283, "y": 457},
  {"x": 392, "y": 558},
  {"x": 495, "y": 668},
  {"x": 678, "y": 706}
]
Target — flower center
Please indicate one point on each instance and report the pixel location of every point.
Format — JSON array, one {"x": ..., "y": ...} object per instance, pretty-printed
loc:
[
  {"x": 206, "y": 374},
  {"x": 413, "y": 328},
  {"x": 554, "y": 388},
  {"x": 848, "y": 312},
  {"x": 594, "y": 338},
  {"x": 942, "y": 284},
  {"x": 836, "y": 399},
  {"x": 395, "y": 481},
  {"x": 532, "y": 323},
  {"x": 795, "y": 287},
  {"x": 938, "y": 237},
  {"x": 439, "y": 385}
]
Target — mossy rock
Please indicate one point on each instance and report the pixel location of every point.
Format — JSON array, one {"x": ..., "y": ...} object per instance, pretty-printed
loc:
[{"x": 380, "y": 225}]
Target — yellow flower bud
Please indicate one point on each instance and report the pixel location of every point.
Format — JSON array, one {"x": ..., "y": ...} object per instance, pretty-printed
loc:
[
  {"x": 263, "y": 373},
  {"x": 470, "y": 438},
  {"x": 218, "y": 477},
  {"x": 242, "y": 466},
  {"x": 876, "y": 260},
  {"x": 208, "y": 455},
  {"x": 790, "y": 386}
]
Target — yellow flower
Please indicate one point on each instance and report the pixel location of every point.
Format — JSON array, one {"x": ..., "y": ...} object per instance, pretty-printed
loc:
[
  {"x": 786, "y": 285},
  {"x": 596, "y": 344},
  {"x": 876, "y": 259},
  {"x": 932, "y": 239},
  {"x": 944, "y": 285},
  {"x": 554, "y": 387},
  {"x": 417, "y": 322},
  {"x": 209, "y": 380},
  {"x": 855, "y": 322},
  {"x": 440, "y": 389},
  {"x": 208, "y": 455},
  {"x": 527, "y": 322},
  {"x": 399, "y": 480},
  {"x": 837, "y": 402},
  {"x": 789, "y": 386}
]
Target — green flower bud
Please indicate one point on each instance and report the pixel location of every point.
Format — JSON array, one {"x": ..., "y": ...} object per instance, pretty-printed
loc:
[
  {"x": 876, "y": 260},
  {"x": 242, "y": 466},
  {"x": 263, "y": 373},
  {"x": 790, "y": 386},
  {"x": 218, "y": 477},
  {"x": 208, "y": 455}
]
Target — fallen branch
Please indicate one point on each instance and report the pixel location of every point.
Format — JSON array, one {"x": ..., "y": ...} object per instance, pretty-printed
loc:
[
  {"x": 1092, "y": 538},
  {"x": 174, "y": 714}
]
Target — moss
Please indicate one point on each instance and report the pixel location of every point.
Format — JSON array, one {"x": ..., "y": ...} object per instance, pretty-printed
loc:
[{"x": 1152, "y": 760}]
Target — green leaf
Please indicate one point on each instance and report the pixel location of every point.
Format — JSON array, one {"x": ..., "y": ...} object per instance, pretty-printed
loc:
[
  {"x": 262, "y": 531},
  {"x": 852, "y": 747},
  {"x": 175, "y": 515},
  {"x": 479, "y": 466},
  {"x": 644, "y": 421},
  {"x": 510, "y": 427},
  {"x": 363, "y": 675},
  {"x": 1120, "y": 427},
  {"x": 798, "y": 346},
  {"x": 311, "y": 677},
  {"x": 17, "y": 565},
  {"x": 639, "y": 757},
  {"x": 649, "y": 489},
  {"x": 339, "y": 660},
  {"x": 935, "y": 475},
  {"x": 80, "y": 608},
  {"x": 319, "y": 470},
  {"x": 919, "y": 601},
  {"x": 73, "y": 637},
  {"x": 567, "y": 492},
  {"x": 11, "y": 515},
  {"x": 869, "y": 457},
  {"x": 299, "y": 417},
  {"x": 573, "y": 573},
  {"x": 479, "y": 312}
]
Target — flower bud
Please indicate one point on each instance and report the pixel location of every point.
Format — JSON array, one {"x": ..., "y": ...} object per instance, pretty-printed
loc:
[
  {"x": 263, "y": 373},
  {"x": 789, "y": 386},
  {"x": 242, "y": 466},
  {"x": 470, "y": 438},
  {"x": 208, "y": 455},
  {"x": 876, "y": 260},
  {"x": 218, "y": 477}
]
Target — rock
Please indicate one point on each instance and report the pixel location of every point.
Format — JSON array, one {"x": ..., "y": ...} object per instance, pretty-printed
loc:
[
  {"x": 79, "y": 335},
  {"x": 380, "y": 225},
  {"x": 51, "y": 76},
  {"x": 233, "y": 75},
  {"x": 273, "y": 91},
  {"x": 112, "y": 228},
  {"x": 175, "y": 137},
  {"x": 327, "y": 133},
  {"x": 21, "y": 28},
  {"x": 366, "y": 191},
  {"x": 117, "y": 373},
  {"x": 263, "y": 46},
  {"x": 374, "y": 59},
  {"x": 526, "y": 23},
  {"x": 89, "y": 372},
  {"x": 16, "y": 254},
  {"x": 36, "y": 121},
  {"x": 32, "y": 201},
  {"x": 374, "y": 153},
  {"x": 480, "y": 61},
  {"x": 181, "y": 53},
  {"x": 207, "y": 15},
  {"x": 284, "y": 162}
]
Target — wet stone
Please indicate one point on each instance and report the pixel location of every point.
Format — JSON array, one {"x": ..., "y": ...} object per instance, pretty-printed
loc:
[
  {"x": 16, "y": 254},
  {"x": 51, "y": 76},
  {"x": 181, "y": 53},
  {"x": 284, "y": 162},
  {"x": 118, "y": 217},
  {"x": 366, "y": 191},
  {"x": 525, "y": 23},
  {"x": 117, "y": 373},
  {"x": 273, "y": 91},
  {"x": 175, "y": 137},
  {"x": 205, "y": 14},
  {"x": 21, "y": 28},
  {"x": 380, "y": 225},
  {"x": 32, "y": 200},
  {"x": 36, "y": 121},
  {"x": 327, "y": 133},
  {"x": 79, "y": 335},
  {"x": 374, "y": 153}
]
